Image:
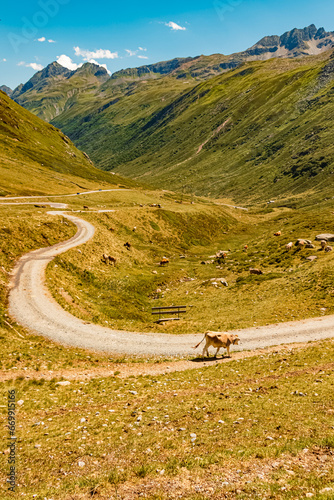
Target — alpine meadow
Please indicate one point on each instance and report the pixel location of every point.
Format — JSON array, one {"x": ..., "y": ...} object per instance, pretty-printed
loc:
[{"x": 146, "y": 214}]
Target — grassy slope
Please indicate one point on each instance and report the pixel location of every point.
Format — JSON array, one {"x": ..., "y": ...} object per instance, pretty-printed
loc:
[
  {"x": 277, "y": 140},
  {"x": 36, "y": 158},
  {"x": 122, "y": 456},
  {"x": 291, "y": 287},
  {"x": 111, "y": 438}
]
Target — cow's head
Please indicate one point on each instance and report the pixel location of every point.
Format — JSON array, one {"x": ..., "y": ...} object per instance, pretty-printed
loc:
[{"x": 235, "y": 339}]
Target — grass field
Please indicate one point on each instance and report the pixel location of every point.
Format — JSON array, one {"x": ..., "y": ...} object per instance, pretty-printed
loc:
[
  {"x": 188, "y": 234},
  {"x": 255, "y": 428},
  {"x": 260, "y": 427}
]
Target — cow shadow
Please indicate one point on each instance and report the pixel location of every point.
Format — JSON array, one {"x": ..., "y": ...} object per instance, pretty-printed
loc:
[{"x": 210, "y": 359}]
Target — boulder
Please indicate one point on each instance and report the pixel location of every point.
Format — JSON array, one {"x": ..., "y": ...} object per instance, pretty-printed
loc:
[{"x": 325, "y": 236}]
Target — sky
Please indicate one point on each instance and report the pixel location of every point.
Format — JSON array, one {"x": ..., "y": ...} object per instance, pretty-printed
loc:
[{"x": 125, "y": 34}]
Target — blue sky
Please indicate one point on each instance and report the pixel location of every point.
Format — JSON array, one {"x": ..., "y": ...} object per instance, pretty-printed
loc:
[{"x": 131, "y": 33}]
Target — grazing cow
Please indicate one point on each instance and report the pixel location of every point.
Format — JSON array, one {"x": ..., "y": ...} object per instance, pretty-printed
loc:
[
  {"x": 279, "y": 233},
  {"x": 323, "y": 244},
  {"x": 127, "y": 245},
  {"x": 107, "y": 259},
  {"x": 328, "y": 249},
  {"x": 164, "y": 261},
  {"x": 256, "y": 271},
  {"x": 246, "y": 248},
  {"x": 289, "y": 246},
  {"x": 218, "y": 340}
]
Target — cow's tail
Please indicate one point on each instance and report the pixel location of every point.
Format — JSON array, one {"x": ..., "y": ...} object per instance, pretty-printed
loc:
[{"x": 195, "y": 347}]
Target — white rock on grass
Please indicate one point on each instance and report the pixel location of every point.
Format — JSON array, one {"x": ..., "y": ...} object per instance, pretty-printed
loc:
[
  {"x": 326, "y": 490},
  {"x": 81, "y": 464},
  {"x": 64, "y": 382},
  {"x": 82, "y": 420},
  {"x": 20, "y": 402}
]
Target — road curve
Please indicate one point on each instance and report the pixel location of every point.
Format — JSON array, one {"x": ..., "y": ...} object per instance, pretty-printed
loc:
[{"x": 31, "y": 305}]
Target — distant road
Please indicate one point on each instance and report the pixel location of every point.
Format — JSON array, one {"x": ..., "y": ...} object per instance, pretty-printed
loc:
[
  {"x": 31, "y": 305},
  {"x": 60, "y": 195}
]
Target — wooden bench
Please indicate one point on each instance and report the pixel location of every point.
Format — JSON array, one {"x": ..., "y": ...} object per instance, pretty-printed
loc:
[{"x": 162, "y": 311}]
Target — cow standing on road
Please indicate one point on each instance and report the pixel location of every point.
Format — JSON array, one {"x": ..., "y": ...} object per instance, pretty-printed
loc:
[{"x": 218, "y": 340}]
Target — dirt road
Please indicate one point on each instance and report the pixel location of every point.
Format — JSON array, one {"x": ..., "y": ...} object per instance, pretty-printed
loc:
[{"x": 31, "y": 304}]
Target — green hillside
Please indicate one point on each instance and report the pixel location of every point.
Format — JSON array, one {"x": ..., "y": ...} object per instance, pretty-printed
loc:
[
  {"x": 36, "y": 158},
  {"x": 262, "y": 130}
]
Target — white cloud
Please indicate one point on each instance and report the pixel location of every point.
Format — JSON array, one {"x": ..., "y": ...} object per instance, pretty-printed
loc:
[
  {"x": 142, "y": 57},
  {"x": 174, "y": 26},
  {"x": 4, "y": 60},
  {"x": 67, "y": 62},
  {"x": 141, "y": 48},
  {"x": 131, "y": 52},
  {"x": 43, "y": 39},
  {"x": 35, "y": 66},
  {"x": 98, "y": 54}
]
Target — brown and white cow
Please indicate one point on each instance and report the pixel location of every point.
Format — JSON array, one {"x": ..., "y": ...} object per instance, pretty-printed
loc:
[{"x": 218, "y": 340}]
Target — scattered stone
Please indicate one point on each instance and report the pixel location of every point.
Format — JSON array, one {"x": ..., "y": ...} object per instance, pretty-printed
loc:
[
  {"x": 133, "y": 392},
  {"x": 64, "y": 382},
  {"x": 20, "y": 402},
  {"x": 221, "y": 422},
  {"x": 269, "y": 438},
  {"x": 155, "y": 272},
  {"x": 326, "y": 237},
  {"x": 81, "y": 464},
  {"x": 309, "y": 495},
  {"x": 38, "y": 445},
  {"x": 312, "y": 258},
  {"x": 326, "y": 490},
  {"x": 82, "y": 420},
  {"x": 193, "y": 437}
]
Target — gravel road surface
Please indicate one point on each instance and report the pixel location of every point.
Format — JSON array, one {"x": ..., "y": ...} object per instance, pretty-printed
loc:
[{"x": 31, "y": 305}]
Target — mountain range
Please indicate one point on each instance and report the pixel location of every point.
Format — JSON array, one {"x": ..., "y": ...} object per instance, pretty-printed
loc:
[{"x": 248, "y": 125}]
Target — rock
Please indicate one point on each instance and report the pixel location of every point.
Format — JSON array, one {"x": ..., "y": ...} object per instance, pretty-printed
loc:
[
  {"x": 269, "y": 438},
  {"x": 325, "y": 236},
  {"x": 133, "y": 392},
  {"x": 326, "y": 490},
  {"x": 309, "y": 495},
  {"x": 38, "y": 445},
  {"x": 309, "y": 245},
  {"x": 64, "y": 382},
  {"x": 224, "y": 282},
  {"x": 20, "y": 402},
  {"x": 81, "y": 464},
  {"x": 312, "y": 258},
  {"x": 82, "y": 420},
  {"x": 221, "y": 422},
  {"x": 328, "y": 249}
]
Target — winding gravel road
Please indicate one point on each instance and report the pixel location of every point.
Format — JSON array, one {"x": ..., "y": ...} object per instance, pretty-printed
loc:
[{"x": 31, "y": 305}]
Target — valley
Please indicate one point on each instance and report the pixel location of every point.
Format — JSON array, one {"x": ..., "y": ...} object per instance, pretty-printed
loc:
[{"x": 215, "y": 166}]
